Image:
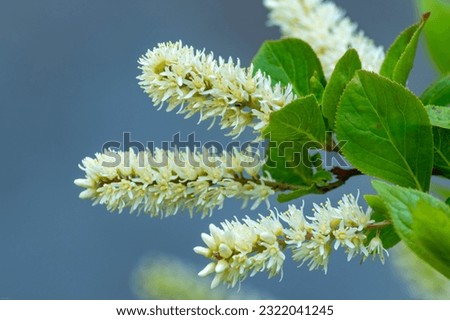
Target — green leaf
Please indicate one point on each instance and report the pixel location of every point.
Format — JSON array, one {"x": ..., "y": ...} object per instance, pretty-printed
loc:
[
  {"x": 400, "y": 56},
  {"x": 289, "y": 162},
  {"x": 386, "y": 131},
  {"x": 387, "y": 234},
  {"x": 439, "y": 116},
  {"x": 343, "y": 72},
  {"x": 376, "y": 203},
  {"x": 438, "y": 93},
  {"x": 322, "y": 177},
  {"x": 433, "y": 234},
  {"x": 285, "y": 197},
  {"x": 290, "y": 61},
  {"x": 301, "y": 120},
  {"x": 441, "y": 139},
  {"x": 422, "y": 221},
  {"x": 436, "y": 32},
  {"x": 317, "y": 88}
]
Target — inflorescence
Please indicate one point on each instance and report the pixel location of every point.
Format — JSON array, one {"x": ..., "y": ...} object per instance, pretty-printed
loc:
[
  {"x": 161, "y": 183},
  {"x": 241, "y": 249},
  {"x": 179, "y": 76}
]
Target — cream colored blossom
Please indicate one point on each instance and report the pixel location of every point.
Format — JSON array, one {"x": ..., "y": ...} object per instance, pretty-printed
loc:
[
  {"x": 164, "y": 182},
  {"x": 376, "y": 248},
  {"x": 194, "y": 82},
  {"x": 241, "y": 249},
  {"x": 324, "y": 26}
]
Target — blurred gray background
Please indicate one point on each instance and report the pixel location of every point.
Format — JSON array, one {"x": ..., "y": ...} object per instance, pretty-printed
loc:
[{"x": 67, "y": 73}]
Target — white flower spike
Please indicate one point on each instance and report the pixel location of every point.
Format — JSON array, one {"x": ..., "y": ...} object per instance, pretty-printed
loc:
[
  {"x": 179, "y": 76},
  {"x": 163, "y": 182},
  {"x": 241, "y": 249}
]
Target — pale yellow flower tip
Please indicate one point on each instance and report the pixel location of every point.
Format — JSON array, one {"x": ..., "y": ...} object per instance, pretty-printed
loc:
[
  {"x": 210, "y": 268},
  {"x": 202, "y": 251}
]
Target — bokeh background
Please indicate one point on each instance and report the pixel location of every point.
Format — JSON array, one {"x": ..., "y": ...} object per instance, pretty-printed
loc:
[{"x": 67, "y": 82}]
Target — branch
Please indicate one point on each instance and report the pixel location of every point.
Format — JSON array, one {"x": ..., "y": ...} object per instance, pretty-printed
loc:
[
  {"x": 379, "y": 225},
  {"x": 345, "y": 174},
  {"x": 342, "y": 175}
]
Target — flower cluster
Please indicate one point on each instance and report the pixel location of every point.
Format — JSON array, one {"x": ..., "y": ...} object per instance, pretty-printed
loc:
[
  {"x": 326, "y": 28},
  {"x": 241, "y": 249},
  {"x": 163, "y": 182},
  {"x": 180, "y": 76}
]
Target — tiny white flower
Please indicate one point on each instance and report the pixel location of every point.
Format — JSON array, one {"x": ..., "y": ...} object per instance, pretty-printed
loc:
[
  {"x": 344, "y": 236},
  {"x": 298, "y": 226},
  {"x": 206, "y": 252},
  {"x": 358, "y": 240},
  {"x": 221, "y": 266},
  {"x": 352, "y": 214},
  {"x": 210, "y": 268},
  {"x": 225, "y": 251},
  {"x": 375, "y": 248}
]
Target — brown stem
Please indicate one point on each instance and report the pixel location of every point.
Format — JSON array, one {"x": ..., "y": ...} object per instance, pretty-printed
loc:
[
  {"x": 277, "y": 186},
  {"x": 331, "y": 145},
  {"x": 345, "y": 174},
  {"x": 280, "y": 186},
  {"x": 437, "y": 172},
  {"x": 330, "y": 187},
  {"x": 342, "y": 176},
  {"x": 379, "y": 225}
]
